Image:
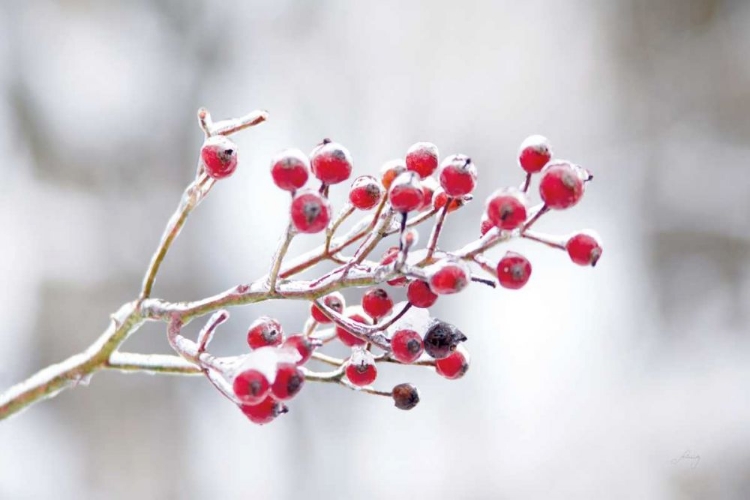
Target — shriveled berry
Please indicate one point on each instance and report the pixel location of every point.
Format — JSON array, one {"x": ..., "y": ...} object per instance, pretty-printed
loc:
[
  {"x": 458, "y": 175},
  {"x": 405, "y": 396},
  {"x": 440, "y": 198},
  {"x": 406, "y": 346},
  {"x": 290, "y": 169},
  {"x": 448, "y": 276},
  {"x": 263, "y": 412},
  {"x": 429, "y": 187},
  {"x": 454, "y": 366},
  {"x": 219, "y": 156},
  {"x": 331, "y": 162},
  {"x": 361, "y": 369},
  {"x": 390, "y": 170},
  {"x": 405, "y": 193},
  {"x": 534, "y": 153},
  {"x": 250, "y": 386},
  {"x": 485, "y": 224},
  {"x": 288, "y": 382},
  {"x": 441, "y": 339},
  {"x": 333, "y": 300},
  {"x": 584, "y": 248},
  {"x": 347, "y": 338},
  {"x": 506, "y": 209},
  {"x": 304, "y": 346},
  {"x": 422, "y": 158},
  {"x": 377, "y": 303},
  {"x": 561, "y": 186},
  {"x": 264, "y": 331},
  {"x": 420, "y": 295},
  {"x": 365, "y": 192},
  {"x": 310, "y": 212},
  {"x": 513, "y": 271}
]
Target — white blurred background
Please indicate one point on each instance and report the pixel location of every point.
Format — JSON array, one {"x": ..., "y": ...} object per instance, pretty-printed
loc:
[{"x": 588, "y": 383}]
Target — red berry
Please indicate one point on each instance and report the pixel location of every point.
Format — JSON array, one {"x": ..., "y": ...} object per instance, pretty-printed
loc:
[
  {"x": 506, "y": 209},
  {"x": 405, "y": 193},
  {"x": 389, "y": 257},
  {"x": 458, "y": 175},
  {"x": 441, "y": 198},
  {"x": 429, "y": 187},
  {"x": 561, "y": 185},
  {"x": 422, "y": 158},
  {"x": 447, "y": 277},
  {"x": 264, "y": 331},
  {"x": 331, "y": 162},
  {"x": 263, "y": 412},
  {"x": 288, "y": 382},
  {"x": 302, "y": 345},
  {"x": 390, "y": 170},
  {"x": 420, "y": 295},
  {"x": 405, "y": 396},
  {"x": 310, "y": 212},
  {"x": 348, "y": 339},
  {"x": 334, "y": 301},
  {"x": 406, "y": 346},
  {"x": 513, "y": 271},
  {"x": 365, "y": 192},
  {"x": 441, "y": 339},
  {"x": 361, "y": 369},
  {"x": 219, "y": 156},
  {"x": 290, "y": 169},
  {"x": 250, "y": 386},
  {"x": 534, "y": 153},
  {"x": 485, "y": 224},
  {"x": 584, "y": 248},
  {"x": 377, "y": 303},
  {"x": 454, "y": 366}
]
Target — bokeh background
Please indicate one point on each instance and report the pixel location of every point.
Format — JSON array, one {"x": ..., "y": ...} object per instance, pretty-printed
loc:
[{"x": 586, "y": 384}]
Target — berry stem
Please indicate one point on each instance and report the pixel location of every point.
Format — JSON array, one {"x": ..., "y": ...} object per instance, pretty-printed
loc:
[
  {"x": 436, "y": 230},
  {"x": 550, "y": 241},
  {"x": 526, "y": 183},
  {"x": 278, "y": 257},
  {"x": 167, "y": 364},
  {"x": 534, "y": 218},
  {"x": 346, "y": 211}
]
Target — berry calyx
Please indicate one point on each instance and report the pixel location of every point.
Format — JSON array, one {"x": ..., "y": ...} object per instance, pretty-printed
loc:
[
  {"x": 441, "y": 339},
  {"x": 561, "y": 186},
  {"x": 263, "y": 412},
  {"x": 584, "y": 248},
  {"x": 422, "y": 158},
  {"x": 420, "y": 295},
  {"x": 448, "y": 276},
  {"x": 405, "y": 396},
  {"x": 263, "y": 332},
  {"x": 347, "y": 338},
  {"x": 250, "y": 386},
  {"x": 365, "y": 192},
  {"x": 406, "y": 346},
  {"x": 506, "y": 209},
  {"x": 405, "y": 193},
  {"x": 331, "y": 162},
  {"x": 310, "y": 212},
  {"x": 219, "y": 156},
  {"x": 454, "y": 366},
  {"x": 361, "y": 369},
  {"x": 458, "y": 175},
  {"x": 290, "y": 169},
  {"x": 302, "y": 345},
  {"x": 334, "y": 301},
  {"x": 513, "y": 271},
  {"x": 288, "y": 382},
  {"x": 534, "y": 153},
  {"x": 377, "y": 303},
  {"x": 390, "y": 170}
]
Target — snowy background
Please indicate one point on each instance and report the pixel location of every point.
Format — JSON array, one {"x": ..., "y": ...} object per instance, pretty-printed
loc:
[{"x": 586, "y": 384}]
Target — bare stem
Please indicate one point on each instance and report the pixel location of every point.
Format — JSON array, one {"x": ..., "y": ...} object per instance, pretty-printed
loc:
[{"x": 278, "y": 257}]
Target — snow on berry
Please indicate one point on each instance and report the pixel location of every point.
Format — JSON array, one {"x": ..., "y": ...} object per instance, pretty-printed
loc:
[
  {"x": 310, "y": 212},
  {"x": 219, "y": 157},
  {"x": 290, "y": 169},
  {"x": 331, "y": 162},
  {"x": 422, "y": 158}
]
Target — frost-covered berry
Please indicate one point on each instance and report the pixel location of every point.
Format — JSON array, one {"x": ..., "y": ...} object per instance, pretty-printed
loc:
[
  {"x": 405, "y": 193},
  {"x": 440, "y": 198},
  {"x": 377, "y": 303},
  {"x": 422, "y": 158},
  {"x": 334, "y": 301},
  {"x": 263, "y": 412},
  {"x": 365, "y": 192},
  {"x": 250, "y": 386},
  {"x": 584, "y": 248},
  {"x": 302, "y": 345},
  {"x": 458, "y": 175},
  {"x": 406, "y": 346},
  {"x": 390, "y": 170},
  {"x": 264, "y": 331},
  {"x": 331, "y": 162},
  {"x": 361, "y": 369},
  {"x": 290, "y": 169},
  {"x": 288, "y": 382},
  {"x": 310, "y": 212},
  {"x": 485, "y": 224},
  {"x": 448, "y": 276},
  {"x": 219, "y": 156},
  {"x": 419, "y": 294},
  {"x": 405, "y": 396},
  {"x": 441, "y": 339},
  {"x": 561, "y": 186},
  {"x": 454, "y": 366},
  {"x": 506, "y": 209},
  {"x": 534, "y": 153},
  {"x": 513, "y": 271},
  {"x": 347, "y": 338},
  {"x": 429, "y": 188}
]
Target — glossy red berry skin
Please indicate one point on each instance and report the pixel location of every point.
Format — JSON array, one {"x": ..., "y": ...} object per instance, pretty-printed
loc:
[
  {"x": 302, "y": 345},
  {"x": 429, "y": 187},
  {"x": 513, "y": 271},
  {"x": 251, "y": 386},
  {"x": 219, "y": 157},
  {"x": 331, "y": 162},
  {"x": 333, "y": 300},
  {"x": 561, "y": 186},
  {"x": 420, "y": 295},
  {"x": 406, "y": 346},
  {"x": 264, "y": 412},
  {"x": 347, "y": 338},
  {"x": 455, "y": 365},
  {"x": 389, "y": 257},
  {"x": 458, "y": 175},
  {"x": 422, "y": 158},
  {"x": 290, "y": 169},
  {"x": 584, "y": 249},
  {"x": 448, "y": 277},
  {"x": 534, "y": 153},
  {"x": 361, "y": 369},
  {"x": 390, "y": 170},
  {"x": 485, "y": 225},
  {"x": 263, "y": 332},
  {"x": 441, "y": 198},
  {"x": 377, "y": 303},
  {"x": 506, "y": 209},
  {"x": 310, "y": 212},
  {"x": 288, "y": 382},
  {"x": 405, "y": 193},
  {"x": 405, "y": 396},
  {"x": 365, "y": 192}
]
